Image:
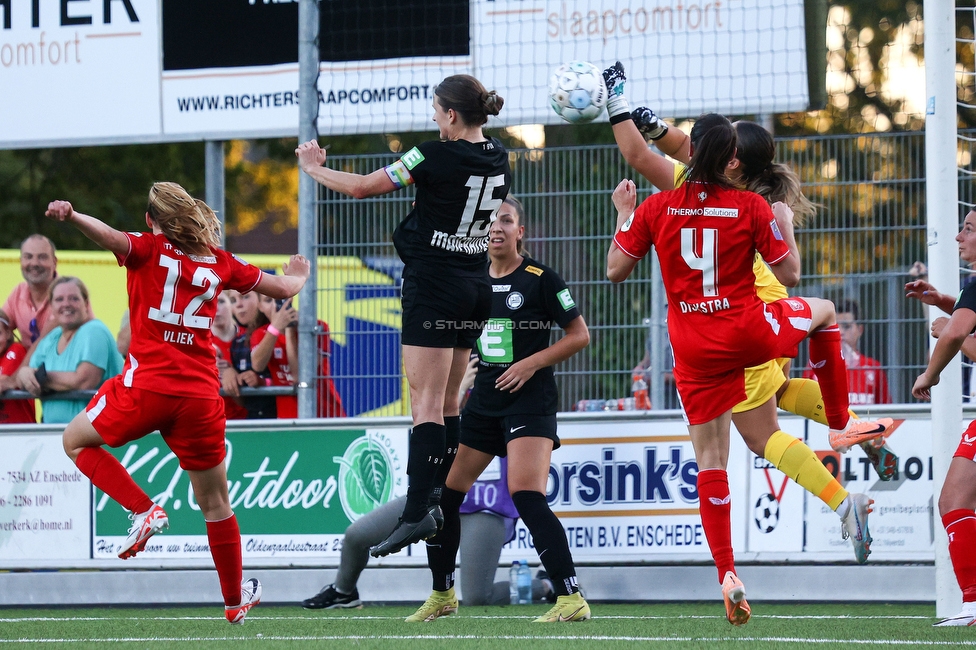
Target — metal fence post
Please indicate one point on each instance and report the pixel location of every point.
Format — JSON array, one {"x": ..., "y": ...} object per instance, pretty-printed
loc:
[
  {"x": 308, "y": 67},
  {"x": 215, "y": 183}
]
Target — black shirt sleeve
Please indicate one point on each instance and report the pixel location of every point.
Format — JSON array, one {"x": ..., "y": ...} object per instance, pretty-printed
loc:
[
  {"x": 559, "y": 302},
  {"x": 421, "y": 160},
  {"x": 967, "y": 298}
]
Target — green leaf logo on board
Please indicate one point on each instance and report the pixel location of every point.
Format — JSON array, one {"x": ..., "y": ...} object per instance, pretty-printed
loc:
[{"x": 365, "y": 477}]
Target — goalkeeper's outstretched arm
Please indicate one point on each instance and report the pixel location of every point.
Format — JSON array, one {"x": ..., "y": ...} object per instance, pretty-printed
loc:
[{"x": 631, "y": 128}]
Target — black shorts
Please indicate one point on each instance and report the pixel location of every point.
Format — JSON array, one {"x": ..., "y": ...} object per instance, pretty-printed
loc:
[
  {"x": 444, "y": 312},
  {"x": 491, "y": 434}
]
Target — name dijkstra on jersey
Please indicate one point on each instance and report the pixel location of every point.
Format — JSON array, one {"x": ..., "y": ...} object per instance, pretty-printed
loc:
[{"x": 705, "y": 306}]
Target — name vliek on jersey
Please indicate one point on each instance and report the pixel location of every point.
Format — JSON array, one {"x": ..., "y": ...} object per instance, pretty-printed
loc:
[
  {"x": 180, "y": 338},
  {"x": 705, "y": 306},
  {"x": 456, "y": 244}
]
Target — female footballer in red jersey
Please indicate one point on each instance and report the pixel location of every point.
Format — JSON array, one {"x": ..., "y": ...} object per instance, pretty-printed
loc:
[
  {"x": 767, "y": 385},
  {"x": 170, "y": 382},
  {"x": 958, "y": 497},
  {"x": 461, "y": 181},
  {"x": 754, "y": 169},
  {"x": 707, "y": 233}
]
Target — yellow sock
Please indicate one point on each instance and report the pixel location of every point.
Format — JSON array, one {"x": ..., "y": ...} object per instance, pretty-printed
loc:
[
  {"x": 803, "y": 397},
  {"x": 792, "y": 457}
]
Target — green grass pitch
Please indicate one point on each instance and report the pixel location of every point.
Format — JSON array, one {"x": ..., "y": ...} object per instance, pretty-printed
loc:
[{"x": 679, "y": 626}]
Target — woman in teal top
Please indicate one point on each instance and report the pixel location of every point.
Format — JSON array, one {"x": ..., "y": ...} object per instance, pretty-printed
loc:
[{"x": 78, "y": 354}]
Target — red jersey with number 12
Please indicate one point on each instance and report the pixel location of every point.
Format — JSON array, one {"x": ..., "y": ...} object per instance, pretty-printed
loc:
[
  {"x": 706, "y": 238},
  {"x": 172, "y": 303}
]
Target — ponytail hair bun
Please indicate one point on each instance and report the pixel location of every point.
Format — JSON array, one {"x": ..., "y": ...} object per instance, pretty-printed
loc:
[
  {"x": 493, "y": 103},
  {"x": 466, "y": 96}
]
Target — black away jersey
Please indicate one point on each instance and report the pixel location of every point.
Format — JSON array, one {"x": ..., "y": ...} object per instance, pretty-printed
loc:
[
  {"x": 524, "y": 306},
  {"x": 967, "y": 298},
  {"x": 460, "y": 187}
]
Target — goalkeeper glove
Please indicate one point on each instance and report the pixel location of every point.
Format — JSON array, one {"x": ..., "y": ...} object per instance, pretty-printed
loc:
[
  {"x": 617, "y": 107},
  {"x": 649, "y": 124}
]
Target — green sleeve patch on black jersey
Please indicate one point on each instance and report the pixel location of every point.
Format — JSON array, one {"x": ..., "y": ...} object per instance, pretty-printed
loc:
[
  {"x": 412, "y": 158},
  {"x": 566, "y": 299},
  {"x": 495, "y": 344}
]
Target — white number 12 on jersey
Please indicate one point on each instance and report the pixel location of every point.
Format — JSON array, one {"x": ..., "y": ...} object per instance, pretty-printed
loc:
[
  {"x": 707, "y": 262},
  {"x": 203, "y": 277}
]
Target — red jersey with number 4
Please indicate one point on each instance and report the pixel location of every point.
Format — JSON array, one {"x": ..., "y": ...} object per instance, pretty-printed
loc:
[
  {"x": 171, "y": 308},
  {"x": 706, "y": 238}
]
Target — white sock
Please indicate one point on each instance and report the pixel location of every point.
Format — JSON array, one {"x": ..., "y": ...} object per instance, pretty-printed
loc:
[
  {"x": 847, "y": 426},
  {"x": 844, "y": 507}
]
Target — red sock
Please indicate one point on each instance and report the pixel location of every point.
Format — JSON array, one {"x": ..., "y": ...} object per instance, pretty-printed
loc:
[
  {"x": 225, "y": 547},
  {"x": 960, "y": 525},
  {"x": 828, "y": 366},
  {"x": 715, "y": 506},
  {"x": 108, "y": 475}
]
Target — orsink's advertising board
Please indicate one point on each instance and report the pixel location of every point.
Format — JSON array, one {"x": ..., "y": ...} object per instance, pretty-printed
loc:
[
  {"x": 76, "y": 72},
  {"x": 624, "y": 489},
  {"x": 628, "y": 490}
]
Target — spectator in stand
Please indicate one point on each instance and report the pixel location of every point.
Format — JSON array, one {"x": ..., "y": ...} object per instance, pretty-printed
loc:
[
  {"x": 280, "y": 356},
  {"x": 254, "y": 325},
  {"x": 28, "y": 306},
  {"x": 277, "y": 351},
  {"x": 12, "y": 354},
  {"x": 867, "y": 382},
  {"x": 225, "y": 329},
  {"x": 78, "y": 354}
]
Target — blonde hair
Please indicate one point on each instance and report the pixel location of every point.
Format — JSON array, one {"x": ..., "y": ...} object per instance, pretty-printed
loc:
[{"x": 188, "y": 223}]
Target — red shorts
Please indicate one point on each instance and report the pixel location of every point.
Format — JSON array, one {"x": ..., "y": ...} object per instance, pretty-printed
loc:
[
  {"x": 967, "y": 445},
  {"x": 193, "y": 428},
  {"x": 706, "y": 395}
]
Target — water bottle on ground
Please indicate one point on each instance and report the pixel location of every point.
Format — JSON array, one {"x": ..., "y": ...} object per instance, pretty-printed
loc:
[
  {"x": 524, "y": 583},
  {"x": 590, "y": 405},
  {"x": 642, "y": 400},
  {"x": 513, "y": 594}
]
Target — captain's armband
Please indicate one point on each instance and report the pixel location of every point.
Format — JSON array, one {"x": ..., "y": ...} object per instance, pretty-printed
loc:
[{"x": 399, "y": 174}]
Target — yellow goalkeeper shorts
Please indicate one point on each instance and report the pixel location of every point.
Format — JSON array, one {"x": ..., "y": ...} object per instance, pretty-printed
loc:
[{"x": 762, "y": 382}]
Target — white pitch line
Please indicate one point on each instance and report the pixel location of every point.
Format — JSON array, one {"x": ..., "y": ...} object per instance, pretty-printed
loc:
[
  {"x": 258, "y": 617},
  {"x": 431, "y": 637}
]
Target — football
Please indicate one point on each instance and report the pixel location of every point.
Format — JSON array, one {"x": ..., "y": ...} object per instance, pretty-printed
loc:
[
  {"x": 766, "y": 513},
  {"x": 577, "y": 91}
]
